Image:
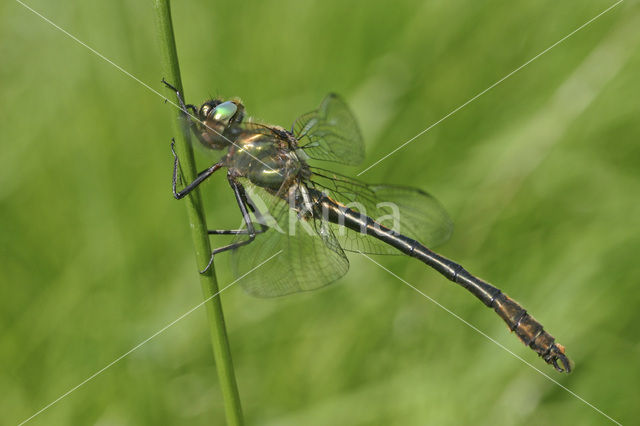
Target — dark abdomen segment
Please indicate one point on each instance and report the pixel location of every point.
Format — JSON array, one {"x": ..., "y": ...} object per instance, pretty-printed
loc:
[
  {"x": 528, "y": 330},
  {"x": 526, "y": 327}
]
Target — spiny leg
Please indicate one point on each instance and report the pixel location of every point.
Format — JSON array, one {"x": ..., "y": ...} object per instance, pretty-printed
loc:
[
  {"x": 185, "y": 107},
  {"x": 238, "y": 191},
  {"x": 197, "y": 126},
  {"x": 197, "y": 181},
  {"x": 241, "y": 199},
  {"x": 247, "y": 202}
]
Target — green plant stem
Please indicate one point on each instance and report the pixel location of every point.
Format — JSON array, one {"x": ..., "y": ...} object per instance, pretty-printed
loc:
[{"x": 219, "y": 340}]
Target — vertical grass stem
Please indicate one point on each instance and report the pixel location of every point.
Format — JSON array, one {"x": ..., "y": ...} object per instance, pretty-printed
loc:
[{"x": 219, "y": 340}]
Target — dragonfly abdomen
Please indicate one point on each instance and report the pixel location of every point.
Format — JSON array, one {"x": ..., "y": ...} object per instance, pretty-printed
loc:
[{"x": 527, "y": 328}]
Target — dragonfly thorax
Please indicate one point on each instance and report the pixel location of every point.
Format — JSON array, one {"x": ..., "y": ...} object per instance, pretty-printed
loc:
[{"x": 265, "y": 161}]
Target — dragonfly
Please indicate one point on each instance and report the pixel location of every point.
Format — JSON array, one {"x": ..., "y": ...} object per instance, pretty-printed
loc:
[{"x": 314, "y": 216}]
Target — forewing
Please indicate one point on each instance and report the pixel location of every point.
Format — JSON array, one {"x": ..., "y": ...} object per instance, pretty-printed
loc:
[
  {"x": 330, "y": 133},
  {"x": 309, "y": 256},
  {"x": 408, "y": 211}
]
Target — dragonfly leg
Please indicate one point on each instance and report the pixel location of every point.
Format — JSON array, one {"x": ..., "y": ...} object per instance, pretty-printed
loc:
[
  {"x": 191, "y": 115},
  {"x": 185, "y": 107},
  {"x": 238, "y": 191},
  {"x": 233, "y": 231},
  {"x": 197, "y": 181},
  {"x": 248, "y": 202}
]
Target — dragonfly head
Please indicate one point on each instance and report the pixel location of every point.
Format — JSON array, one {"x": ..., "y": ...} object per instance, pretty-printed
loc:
[
  {"x": 225, "y": 113},
  {"x": 217, "y": 116}
]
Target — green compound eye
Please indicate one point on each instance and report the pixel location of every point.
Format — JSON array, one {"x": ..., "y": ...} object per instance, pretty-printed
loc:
[{"x": 224, "y": 112}]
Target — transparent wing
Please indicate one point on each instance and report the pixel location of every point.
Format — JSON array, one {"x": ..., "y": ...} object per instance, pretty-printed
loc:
[
  {"x": 330, "y": 133},
  {"x": 309, "y": 256},
  {"x": 254, "y": 127},
  {"x": 408, "y": 211}
]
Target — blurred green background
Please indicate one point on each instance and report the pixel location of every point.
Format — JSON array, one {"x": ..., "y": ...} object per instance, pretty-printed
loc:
[{"x": 540, "y": 174}]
